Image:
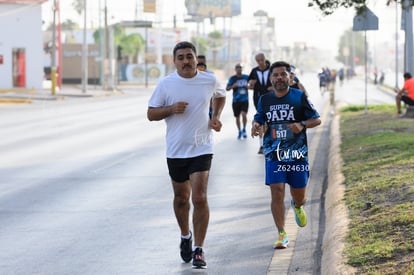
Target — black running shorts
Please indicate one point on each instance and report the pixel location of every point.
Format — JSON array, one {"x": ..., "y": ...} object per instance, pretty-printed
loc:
[
  {"x": 407, "y": 100},
  {"x": 239, "y": 107},
  {"x": 180, "y": 169}
]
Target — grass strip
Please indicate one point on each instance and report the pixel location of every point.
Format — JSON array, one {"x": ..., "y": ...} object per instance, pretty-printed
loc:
[{"x": 378, "y": 153}]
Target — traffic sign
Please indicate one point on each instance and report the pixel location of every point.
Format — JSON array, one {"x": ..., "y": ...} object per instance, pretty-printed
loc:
[{"x": 366, "y": 21}]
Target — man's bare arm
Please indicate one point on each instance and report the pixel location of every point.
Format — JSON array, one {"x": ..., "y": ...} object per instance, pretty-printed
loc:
[{"x": 159, "y": 113}]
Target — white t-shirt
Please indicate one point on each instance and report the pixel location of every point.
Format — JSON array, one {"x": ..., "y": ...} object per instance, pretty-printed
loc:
[{"x": 188, "y": 134}]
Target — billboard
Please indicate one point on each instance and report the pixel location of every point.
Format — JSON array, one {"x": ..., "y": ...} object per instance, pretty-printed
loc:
[
  {"x": 214, "y": 8},
  {"x": 150, "y": 6}
]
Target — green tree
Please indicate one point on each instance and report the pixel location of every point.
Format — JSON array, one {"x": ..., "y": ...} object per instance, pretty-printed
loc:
[
  {"x": 351, "y": 42},
  {"x": 132, "y": 44},
  {"x": 329, "y": 6},
  {"x": 78, "y": 5},
  {"x": 215, "y": 43},
  {"x": 65, "y": 25},
  {"x": 201, "y": 44}
]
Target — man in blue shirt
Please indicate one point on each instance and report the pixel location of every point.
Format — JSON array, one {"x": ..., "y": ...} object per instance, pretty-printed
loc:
[
  {"x": 238, "y": 83},
  {"x": 285, "y": 113}
]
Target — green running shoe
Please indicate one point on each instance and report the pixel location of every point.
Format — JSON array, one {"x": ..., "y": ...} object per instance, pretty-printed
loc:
[
  {"x": 300, "y": 215},
  {"x": 282, "y": 242}
]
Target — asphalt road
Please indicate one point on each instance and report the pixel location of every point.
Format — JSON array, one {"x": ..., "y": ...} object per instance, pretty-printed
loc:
[{"x": 84, "y": 189}]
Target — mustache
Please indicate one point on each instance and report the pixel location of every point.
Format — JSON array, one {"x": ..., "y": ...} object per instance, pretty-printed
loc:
[{"x": 187, "y": 66}]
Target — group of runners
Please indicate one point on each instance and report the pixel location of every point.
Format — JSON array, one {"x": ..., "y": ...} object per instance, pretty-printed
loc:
[{"x": 283, "y": 114}]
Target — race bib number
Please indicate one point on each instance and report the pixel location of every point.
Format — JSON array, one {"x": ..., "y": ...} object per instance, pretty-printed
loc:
[{"x": 280, "y": 132}]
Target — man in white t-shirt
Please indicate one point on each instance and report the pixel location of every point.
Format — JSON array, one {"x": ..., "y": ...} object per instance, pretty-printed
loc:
[{"x": 182, "y": 99}]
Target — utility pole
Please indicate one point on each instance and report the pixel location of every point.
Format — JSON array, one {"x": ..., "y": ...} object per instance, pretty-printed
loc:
[
  {"x": 396, "y": 45},
  {"x": 100, "y": 43},
  {"x": 59, "y": 43},
  {"x": 407, "y": 15},
  {"x": 106, "y": 50},
  {"x": 53, "y": 57},
  {"x": 84, "y": 52},
  {"x": 365, "y": 21}
]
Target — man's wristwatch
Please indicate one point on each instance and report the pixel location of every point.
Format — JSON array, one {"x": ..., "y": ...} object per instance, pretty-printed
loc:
[{"x": 303, "y": 123}]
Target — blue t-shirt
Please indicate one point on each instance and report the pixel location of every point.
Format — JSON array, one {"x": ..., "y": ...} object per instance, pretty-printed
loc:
[
  {"x": 279, "y": 142},
  {"x": 240, "y": 94}
]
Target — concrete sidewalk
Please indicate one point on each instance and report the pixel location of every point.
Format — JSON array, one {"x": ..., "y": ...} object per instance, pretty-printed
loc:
[
  {"x": 69, "y": 91},
  {"x": 74, "y": 91}
]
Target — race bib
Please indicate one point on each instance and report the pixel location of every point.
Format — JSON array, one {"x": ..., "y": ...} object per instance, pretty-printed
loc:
[{"x": 280, "y": 132}]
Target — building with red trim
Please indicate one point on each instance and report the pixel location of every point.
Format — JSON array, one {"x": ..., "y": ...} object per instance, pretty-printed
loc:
[{"x": 21, "y": 45}]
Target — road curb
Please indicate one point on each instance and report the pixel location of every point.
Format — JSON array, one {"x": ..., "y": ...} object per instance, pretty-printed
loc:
[{"x": 337, "y": 221}]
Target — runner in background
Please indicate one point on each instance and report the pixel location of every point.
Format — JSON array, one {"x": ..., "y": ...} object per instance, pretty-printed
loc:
[
  {"x": 238, "y": 83},
  {"x": 260, "y": 83}
]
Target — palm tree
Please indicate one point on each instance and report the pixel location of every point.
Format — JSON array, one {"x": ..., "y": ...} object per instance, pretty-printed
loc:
[
  {"x": 201, "y": 44},
  {"x": 215, "y": 43},
  {"x": 132, "y": 44}
]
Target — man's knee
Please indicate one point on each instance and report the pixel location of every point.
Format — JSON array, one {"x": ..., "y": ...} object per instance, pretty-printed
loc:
[
  {"x": 299, "y": 202},
  {"x": 298, "y": 195},
  {"x": 199, "y": 200},
  {"x": 278, "y": 191},
  {"x": 179, "y": 202},
  {"x": 181, "y": 198}
]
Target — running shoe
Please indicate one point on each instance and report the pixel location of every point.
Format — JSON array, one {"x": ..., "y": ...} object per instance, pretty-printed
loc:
[
  {"x": 186, "y": 248},
  {"x": 300, "y": 215},
  {"x": 282, "y": 242},
  {"x": 244, "y": 133},
  {"x": 240, "y": 135},
  {"x": 198, "y": 259}
]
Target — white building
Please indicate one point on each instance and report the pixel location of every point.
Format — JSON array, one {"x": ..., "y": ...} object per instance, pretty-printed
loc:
[{"x": 21, "y": 45}]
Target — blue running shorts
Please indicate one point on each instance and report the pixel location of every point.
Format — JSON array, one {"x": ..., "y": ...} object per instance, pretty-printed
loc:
[{"x": 295, "y": 173}]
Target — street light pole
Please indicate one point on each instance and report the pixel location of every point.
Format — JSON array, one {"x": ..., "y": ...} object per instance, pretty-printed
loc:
[
  {"x": 53, "y": 57},
  {"x": 84, "y": 52},
  {"x": 396, "y": 44},
  {"x": 407, "y": 10},
  {"x": 262, "y": 16},
  {"x": 106, "y": 49},
  {"x": 100, "y": 43}
]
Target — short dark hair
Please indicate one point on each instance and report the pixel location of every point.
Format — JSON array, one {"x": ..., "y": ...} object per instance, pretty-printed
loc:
[
  {"x": 184, "y": 45},
  {"x": 407, "y": 75},
  {"x": 278, "y": 64}
]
